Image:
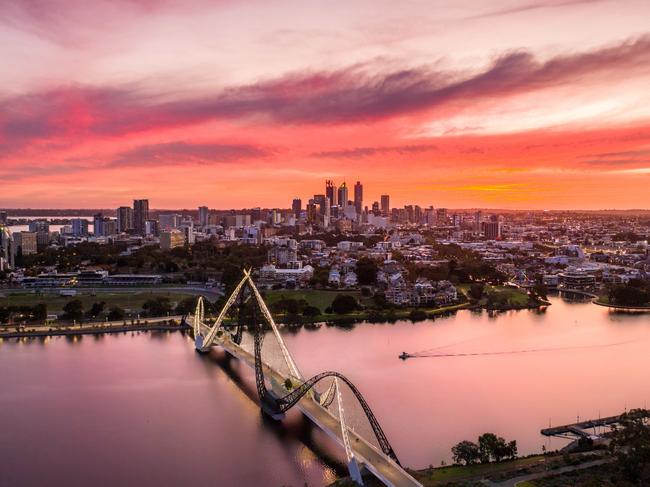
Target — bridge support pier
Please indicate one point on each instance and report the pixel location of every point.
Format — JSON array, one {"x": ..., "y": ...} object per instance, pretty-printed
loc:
[
  {"x": 355, "y": 471},
  {"x": 198, "y": 344},
  {"x": 270, "y": 407}
]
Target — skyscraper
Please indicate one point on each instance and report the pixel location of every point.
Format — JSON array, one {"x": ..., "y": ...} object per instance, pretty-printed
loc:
[
  {"x": 385, "y": 205},
  {"x": 124, "y": 219},
  {"x": 330, "y": 192},
  {"x": 343, "y": 195},
  {"x": 358, "y": 197},
  {"x": 203, "y": 215},
  {"x": 296, "y": 207},
  {"x": 140, "y": 215}
]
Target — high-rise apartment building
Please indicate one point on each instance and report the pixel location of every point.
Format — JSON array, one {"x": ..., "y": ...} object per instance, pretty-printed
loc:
[
  {"x": 25, "y": 243},
  {"x": 124, "y": 219},
  {"x": 358, "y": 197},
  {"x": 385, "y": 205},
  {"x": 104, "y": 226},
  {"x": 42, "y": 230},
  {"x": 492, "y": 230},
  {"x": 140, "y": 216},
  {"x": 110, "y": 227},
  {"x": 151, "y": 228},
  {"x": 3, "y": 217},
  {"x": 203, "y": 215},
  {"x": 98, "y": 225},
  {"x": 441, "y": 216},
  {"x": 79, "y": 227}
]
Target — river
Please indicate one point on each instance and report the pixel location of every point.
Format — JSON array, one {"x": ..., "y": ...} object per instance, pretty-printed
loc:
[{"x": 144, "y": 409}]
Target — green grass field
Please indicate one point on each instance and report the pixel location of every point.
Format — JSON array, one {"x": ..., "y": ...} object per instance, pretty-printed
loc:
[
  {"x": 129, "y": 301},
  {"x": 514, "y": 296},
  {"x": 441, "y": 475}
]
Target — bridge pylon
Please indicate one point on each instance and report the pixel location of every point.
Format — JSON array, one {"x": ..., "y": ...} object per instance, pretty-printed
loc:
[{"x": 288, "y": 388}]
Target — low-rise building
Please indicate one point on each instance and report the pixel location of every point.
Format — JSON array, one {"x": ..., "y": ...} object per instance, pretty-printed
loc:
[
  {"x": 270, "y": 275},
  {"x": 422, "y": 293},
  {"x": 171, "y": 239}
]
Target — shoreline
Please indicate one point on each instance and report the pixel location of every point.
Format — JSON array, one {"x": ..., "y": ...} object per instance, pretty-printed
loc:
[
  {"x": 618, "y": 307},
  {"x": 93, "y": 330},
  {"x": 370, "y": 317}
]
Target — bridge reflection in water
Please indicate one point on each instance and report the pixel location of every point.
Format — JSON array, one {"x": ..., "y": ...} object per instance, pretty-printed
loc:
[{"x": 256, "y": 341}]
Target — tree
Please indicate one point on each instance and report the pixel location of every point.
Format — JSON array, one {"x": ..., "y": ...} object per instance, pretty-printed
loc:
[
  {"x": 541, "y": 290},
  {"x": 311, "y": 311},
  {"x": 73, "y": 310},
  {"x": 116, "y": 314},
  {"x": 494, "y": 447},
  {"x": 466, "y": 452},
  {"x": 512, "y": 450},
  {"x": 366, "y": 271},
  {"x": 159, "y": 306},
  {"x": 476, "y": 290},
  {"x": 627, "y": 295},
  {"x": 417, "y": 315},
  {"x": 379, "y": 299},
  {"x": 96, "y": 309},
  {"x": 289, "y": 305},
  {"x": 631, "y": 444},
  {"x": 40, "y": 312},
  {"x": 343, "y": 304},
  {"x": 320, "y": 277},
  {"x": 186, "y": 305}
]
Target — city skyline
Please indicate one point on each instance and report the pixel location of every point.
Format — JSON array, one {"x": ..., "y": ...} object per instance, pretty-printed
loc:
[{"x": 202, "y": 104}]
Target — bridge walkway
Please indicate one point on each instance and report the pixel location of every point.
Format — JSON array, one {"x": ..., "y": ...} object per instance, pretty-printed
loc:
[{"x": 374, "y": 460}]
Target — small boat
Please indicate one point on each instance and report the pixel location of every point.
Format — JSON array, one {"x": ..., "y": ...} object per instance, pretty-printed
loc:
[{"x": 404, "y": 355}]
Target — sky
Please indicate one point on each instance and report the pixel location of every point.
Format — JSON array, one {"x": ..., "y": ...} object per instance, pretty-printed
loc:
[{"x": 522, "y": 104}]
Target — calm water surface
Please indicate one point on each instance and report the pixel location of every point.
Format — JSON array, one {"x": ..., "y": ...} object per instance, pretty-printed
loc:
[{"x": 145, "y": 409}]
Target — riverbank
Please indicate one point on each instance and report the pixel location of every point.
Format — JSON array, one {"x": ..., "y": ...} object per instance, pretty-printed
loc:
[
  {"x": 496, "y": 298},
  {"x": 601, "y": 301},
  {"x": 509, "y": 473},
  {"x": 156, "y": 324}
]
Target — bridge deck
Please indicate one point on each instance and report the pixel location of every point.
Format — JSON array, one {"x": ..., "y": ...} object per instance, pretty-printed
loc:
[
  {"x": 581, "y": 428},
  {"x": 381, "y": 466}
]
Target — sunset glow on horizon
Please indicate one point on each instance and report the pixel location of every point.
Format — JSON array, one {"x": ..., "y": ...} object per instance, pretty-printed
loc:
[{"x": 541, "y": 104}]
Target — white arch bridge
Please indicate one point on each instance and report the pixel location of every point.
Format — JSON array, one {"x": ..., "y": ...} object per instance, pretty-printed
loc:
[{"x": 281, "y": 386}]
